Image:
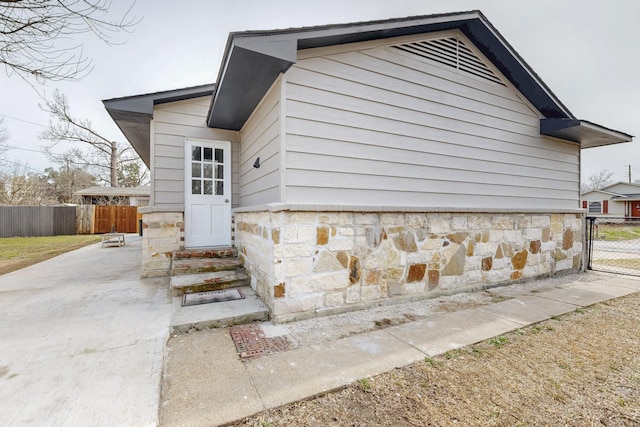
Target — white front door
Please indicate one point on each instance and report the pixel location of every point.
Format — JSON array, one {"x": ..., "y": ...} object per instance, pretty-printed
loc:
[{"x": 207, "y": 209}]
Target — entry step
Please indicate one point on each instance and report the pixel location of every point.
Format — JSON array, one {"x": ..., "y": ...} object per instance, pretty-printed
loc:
[
  {"x": 219, "y": 314},
  {"x": 211, "y": 281}
]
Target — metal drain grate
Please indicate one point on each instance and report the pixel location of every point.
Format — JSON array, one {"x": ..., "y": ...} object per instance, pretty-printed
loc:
[{"x": 251, "y": 342}]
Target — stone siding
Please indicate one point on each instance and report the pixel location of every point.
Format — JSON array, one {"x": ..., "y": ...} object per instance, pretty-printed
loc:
[
  {"x": 305, "y": 264},
  {"x": 162, "y": 233}
]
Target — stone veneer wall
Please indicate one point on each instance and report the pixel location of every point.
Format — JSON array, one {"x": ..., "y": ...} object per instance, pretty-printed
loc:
[
  {"x": 305, "y": 264},
  {"x": 162, "y": 233}
]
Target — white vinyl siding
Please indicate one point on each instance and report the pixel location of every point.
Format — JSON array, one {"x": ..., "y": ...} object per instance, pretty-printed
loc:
[
  {"x": 260, "y": 137},
  {"x": 383, "y": 127},
  {"x": 172, "y": 122}
]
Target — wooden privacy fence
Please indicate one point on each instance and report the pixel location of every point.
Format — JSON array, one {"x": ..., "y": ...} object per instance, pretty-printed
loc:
[
  {"x": 37, "y": 220},
  {"x": 18, "y": 221},
  {"x": 91, "y": 219}
]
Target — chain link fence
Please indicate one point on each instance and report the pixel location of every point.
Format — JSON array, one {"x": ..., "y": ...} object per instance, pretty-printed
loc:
[{"x": 614, "y": 245}]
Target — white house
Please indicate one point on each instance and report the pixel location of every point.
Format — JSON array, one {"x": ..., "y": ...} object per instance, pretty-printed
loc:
[
  {"x": 366, "y": 163},
  {"x": 621, "y": 200}
]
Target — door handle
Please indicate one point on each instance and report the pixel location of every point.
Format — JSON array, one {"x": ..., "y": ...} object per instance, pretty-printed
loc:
[{"x": 226, "y": 200}]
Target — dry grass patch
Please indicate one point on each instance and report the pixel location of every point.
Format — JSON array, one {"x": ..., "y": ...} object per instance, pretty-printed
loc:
[
  {"x": 20, "y": 252},
  {"x": 579, "y": 369}
]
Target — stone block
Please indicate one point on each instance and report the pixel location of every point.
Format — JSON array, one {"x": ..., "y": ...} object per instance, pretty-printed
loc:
[
  {"x": 370, "y": 293},
  {"x": 431, "y": 244},
  {"x": 564, "y": 264},
  {"x": 514, "y": 236},
  {"x": 434, "y": 278},
  {"x": 329, "y": 218},
  {"x": 297, "y": 267},
  {"x": 416, "y": 221},
  {"x": 279, "y": 290},
  {"x": 355, "y": 270},
  {"x": 567, "y": 239},
  {"x": 519, "y": 260},
  {"x": 496, "y": 236},
  {"x": 392, "y": 219},
  {"x": 535, "y": 246},
  {"x": 374, "y": 236},
  {"x": 416, "y": 273},
  {"x": 487, "y": 263},
  {"x": 385, "y": 256},
  {"x": 459, "y": 223},
  {"x": 439, "y": 225},
  {"x": 352, "y": 295},
  {"x": 334, "y": 299},
  {"x": 326, "y": 262},
  {"x": 294, "y": 250},
  {"x": 366, "y": 218},
  {"x": 414, "y": 288},
  {"x": 458, "y": 237},
  {"x": 301, "y": 218},
  {"x": 340, "y": 243},
  {"x": 502, "y": 222},
  {"x": 395, "y": 289},
  {"x": 322, "y": 235},
  {"x": 479, "y": 222},
  {"x": 300, "y": 304},
  {"x": 303, "y": 285},
  {"x": 455, "y": 264},
  {"x": 299, "y": 233},
  {"x": 406, "y": 241},
  {"x": 372, "y": 277},
  {"x": 532, "y": 233}
]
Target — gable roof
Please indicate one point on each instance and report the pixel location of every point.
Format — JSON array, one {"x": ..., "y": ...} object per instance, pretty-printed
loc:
[
  {"x": 132, "y": 114},
  {"x": 253, "y": 60}
]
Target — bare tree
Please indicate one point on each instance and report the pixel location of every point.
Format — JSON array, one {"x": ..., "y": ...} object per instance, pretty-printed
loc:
[
  {"x": 4, "y": 138},
  {"x": 18, "y": 186},
  {"x": 598, "y": 180},
  {"x": 92, "y": 150},
  {"x": 35, "y": 35}
]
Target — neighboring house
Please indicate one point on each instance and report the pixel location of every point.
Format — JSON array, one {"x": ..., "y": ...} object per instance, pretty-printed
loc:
[
  {"x": 366, "y": 163},
  {"x": 620, "y": 200},
  {"x": 115, "y": 196}
]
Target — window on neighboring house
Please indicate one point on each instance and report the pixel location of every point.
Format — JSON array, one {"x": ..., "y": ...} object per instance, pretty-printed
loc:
[{"x": 595, "y": 207}]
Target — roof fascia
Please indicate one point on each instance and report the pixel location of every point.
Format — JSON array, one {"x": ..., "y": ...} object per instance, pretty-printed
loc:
[
  {"x": 132, "y": 114},
  {"x": 586, "y": 133}
]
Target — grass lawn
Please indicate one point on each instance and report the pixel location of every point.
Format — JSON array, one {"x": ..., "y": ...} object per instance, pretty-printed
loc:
[
  {"x": 612, "y": 232},
  {"x": 20, "y": 252},
  {"x": 632, "y": 264}
]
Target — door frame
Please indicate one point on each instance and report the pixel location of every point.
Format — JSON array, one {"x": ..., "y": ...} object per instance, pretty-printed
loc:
[{"x": 227, "y": 162}]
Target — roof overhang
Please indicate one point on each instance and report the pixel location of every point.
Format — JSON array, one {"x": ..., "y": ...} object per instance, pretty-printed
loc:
[
  {"x": 585, "y": 133},
  {"x": 133, "y": 114},
  {"x": 253, "y": 60}
]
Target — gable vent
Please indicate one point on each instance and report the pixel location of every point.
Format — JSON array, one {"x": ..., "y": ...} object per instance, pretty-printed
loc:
[{"x": 453, "y": 53}]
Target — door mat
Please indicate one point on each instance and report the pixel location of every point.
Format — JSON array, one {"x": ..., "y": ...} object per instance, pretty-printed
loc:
[
  {"x": 251, "y": 342},
  {"x": 198, "y": 298}
]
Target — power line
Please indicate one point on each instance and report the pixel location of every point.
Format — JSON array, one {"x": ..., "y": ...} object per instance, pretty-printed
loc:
[
  {"x": 23, "y": 166},
  {"x": 23, "y": 149},
  {"x": 22, "y": 120}
]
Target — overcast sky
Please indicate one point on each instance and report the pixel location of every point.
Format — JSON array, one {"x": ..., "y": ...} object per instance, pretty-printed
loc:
[{"x": 586, "y": 51}]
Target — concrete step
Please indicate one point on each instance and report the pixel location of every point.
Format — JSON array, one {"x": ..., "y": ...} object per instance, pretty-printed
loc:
[
  {"x": 183, "y": 266},
  {"x": 211, "y": 281},
  {"x": 218, "y": 314},
  {"x": 226, "y": 252}
]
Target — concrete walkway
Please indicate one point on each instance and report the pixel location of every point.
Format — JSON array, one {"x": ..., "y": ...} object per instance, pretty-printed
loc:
[
  {"x": 233, "y": 389},
  {"x": 82, "y": 340}
]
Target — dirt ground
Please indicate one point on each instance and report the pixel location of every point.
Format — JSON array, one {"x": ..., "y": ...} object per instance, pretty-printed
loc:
[{"x": 580, "y": 369}]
